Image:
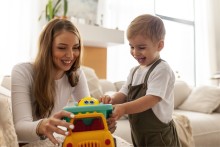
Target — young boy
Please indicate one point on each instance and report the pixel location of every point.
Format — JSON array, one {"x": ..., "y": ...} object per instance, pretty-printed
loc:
[{"x": 147, "y": 96}]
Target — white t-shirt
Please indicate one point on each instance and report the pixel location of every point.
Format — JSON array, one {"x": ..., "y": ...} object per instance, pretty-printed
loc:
[
  {"x": 23, "y": 100},
  {"x": 160, "y": 83}
]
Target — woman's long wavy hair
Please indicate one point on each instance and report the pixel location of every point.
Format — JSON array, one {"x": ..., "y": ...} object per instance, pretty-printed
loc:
[{"x": 44, "y": 83}]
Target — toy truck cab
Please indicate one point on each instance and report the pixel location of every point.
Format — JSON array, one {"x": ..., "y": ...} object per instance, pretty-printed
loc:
[
  {"x": 90, "y": 126},
  {"x": 90, "y": 130}
]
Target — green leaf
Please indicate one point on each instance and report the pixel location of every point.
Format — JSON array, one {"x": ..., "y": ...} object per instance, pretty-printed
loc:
[
  {"x": 57, "y": 9},
  {"x": 65, "y": 7},
  {"x": 56, "y": 5},
  {"x": 50, "y": 9}
]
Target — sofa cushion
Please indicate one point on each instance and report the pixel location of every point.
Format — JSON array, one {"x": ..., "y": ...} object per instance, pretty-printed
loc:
[
  {"x": 217, "y": 109},
  {"x": 6, "y": 82},
  {"x": 93, "y": 82},
  {"x": 8, "y": 136},
  {"x": 5, "y": 91},
  {"x": 181, "y": 92},
  {"x": 107, "y": 86},
  {"x": 202, "y": 99},
  {"x": 119, "y": 84}
]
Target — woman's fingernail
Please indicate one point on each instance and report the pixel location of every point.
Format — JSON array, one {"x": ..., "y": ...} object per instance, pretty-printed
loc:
[
  {"x": 72, "y": 115},
  {"x": 71, "y": 126},
  {"x": 57, "y": 144},
  {"x": 66, "y": 133}
]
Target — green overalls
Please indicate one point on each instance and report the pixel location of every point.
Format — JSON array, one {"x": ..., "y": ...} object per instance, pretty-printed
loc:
[{"x": 146, "y": 129}]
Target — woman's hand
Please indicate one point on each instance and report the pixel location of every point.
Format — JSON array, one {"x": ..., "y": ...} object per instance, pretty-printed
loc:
[
  {"x": 50, "y": 125},
  {"x": 111, "y": 124}
]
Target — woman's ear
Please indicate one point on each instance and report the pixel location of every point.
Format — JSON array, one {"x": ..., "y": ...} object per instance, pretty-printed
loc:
[{"x": 160, "y": 45}]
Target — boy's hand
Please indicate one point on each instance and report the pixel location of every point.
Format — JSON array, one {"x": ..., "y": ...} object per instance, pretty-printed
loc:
[
  {"x": 118, "y": 111},
  {"x": 106, "y": 99}
]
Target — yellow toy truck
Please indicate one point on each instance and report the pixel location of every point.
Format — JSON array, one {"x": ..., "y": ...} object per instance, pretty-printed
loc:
[{"x": 90, "y": 126}]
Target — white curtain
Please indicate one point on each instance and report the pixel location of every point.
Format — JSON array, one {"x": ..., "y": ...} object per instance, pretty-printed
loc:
[
  {"x": 19, "y": 30},
  {"x": 214, "y": 10},
  {"x": 207, "y": 40},
  {"x": 117, "y": 15}
]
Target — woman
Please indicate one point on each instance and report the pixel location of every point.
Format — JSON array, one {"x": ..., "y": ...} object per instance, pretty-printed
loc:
[{"x": 41, "y": 89}]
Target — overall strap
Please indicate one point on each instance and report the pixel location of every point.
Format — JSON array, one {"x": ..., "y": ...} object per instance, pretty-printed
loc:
[
  {"x": 149, "y": 72},
  {"x": 133, "y": 76},
  {"x": 134, "y": 72}
]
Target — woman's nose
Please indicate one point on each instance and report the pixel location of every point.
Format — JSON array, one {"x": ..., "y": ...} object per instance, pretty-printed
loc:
[{"x": 69, "y": 53}]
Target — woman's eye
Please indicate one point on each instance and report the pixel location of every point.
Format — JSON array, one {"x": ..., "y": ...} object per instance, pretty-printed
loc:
[
  {"x": 76, "y": 48},
  {"x": 62, "y": 48}
]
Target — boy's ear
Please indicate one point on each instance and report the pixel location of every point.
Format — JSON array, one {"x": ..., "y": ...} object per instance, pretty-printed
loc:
[{"x": 160, "y": 45}]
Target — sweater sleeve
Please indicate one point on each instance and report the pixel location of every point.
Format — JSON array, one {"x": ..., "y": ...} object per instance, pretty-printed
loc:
[{"x": 21, "y": 82}]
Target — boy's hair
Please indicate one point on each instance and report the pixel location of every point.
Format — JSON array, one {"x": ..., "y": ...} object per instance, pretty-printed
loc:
[{"x": 147, "y": 25}]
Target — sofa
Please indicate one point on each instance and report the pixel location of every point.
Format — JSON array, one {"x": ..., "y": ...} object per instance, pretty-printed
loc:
[
  {"x": 196, "y": 114},
  {"x": 196, "y": 110}
]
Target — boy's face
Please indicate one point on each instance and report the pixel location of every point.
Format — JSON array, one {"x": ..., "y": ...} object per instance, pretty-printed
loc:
[{"x": 144, "y": 50}]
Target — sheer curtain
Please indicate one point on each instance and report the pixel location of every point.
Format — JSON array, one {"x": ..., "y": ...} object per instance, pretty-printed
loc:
[
  {"x": 117, "y": 15},
  {"x": 214, "y": 44},
  {"x": 207, "y": 40},
  {"x": 19, "y": 30}
]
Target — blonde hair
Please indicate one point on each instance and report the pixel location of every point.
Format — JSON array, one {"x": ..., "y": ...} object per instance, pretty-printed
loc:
[
  {"x": 44, "y": 84},
  {"x": 147, "y": 25}
]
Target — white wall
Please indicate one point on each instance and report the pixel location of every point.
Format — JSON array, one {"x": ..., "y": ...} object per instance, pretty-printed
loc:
[{"x": 18, "y": 25}]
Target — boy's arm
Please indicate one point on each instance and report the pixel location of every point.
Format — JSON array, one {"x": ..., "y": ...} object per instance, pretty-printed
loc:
[
  {"x": 136, "y": 106},
  {"x": 117, "y": 98}
]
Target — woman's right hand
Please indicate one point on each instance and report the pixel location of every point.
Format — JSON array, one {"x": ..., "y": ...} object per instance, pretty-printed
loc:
[{"x": 50, "y": 125}]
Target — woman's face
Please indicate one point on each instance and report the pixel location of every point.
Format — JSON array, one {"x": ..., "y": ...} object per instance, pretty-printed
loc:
[{"x": 65, "y": 51}]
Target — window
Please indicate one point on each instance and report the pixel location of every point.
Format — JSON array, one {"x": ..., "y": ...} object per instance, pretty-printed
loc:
[{"x": 179, "y": 50}]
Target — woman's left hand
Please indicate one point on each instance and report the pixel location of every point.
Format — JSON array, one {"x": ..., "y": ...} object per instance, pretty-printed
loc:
[{"x": 111, "y": 124}]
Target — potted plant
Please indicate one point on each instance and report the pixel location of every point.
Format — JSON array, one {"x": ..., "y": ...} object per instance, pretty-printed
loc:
[{"x": 53, "y": 7}]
